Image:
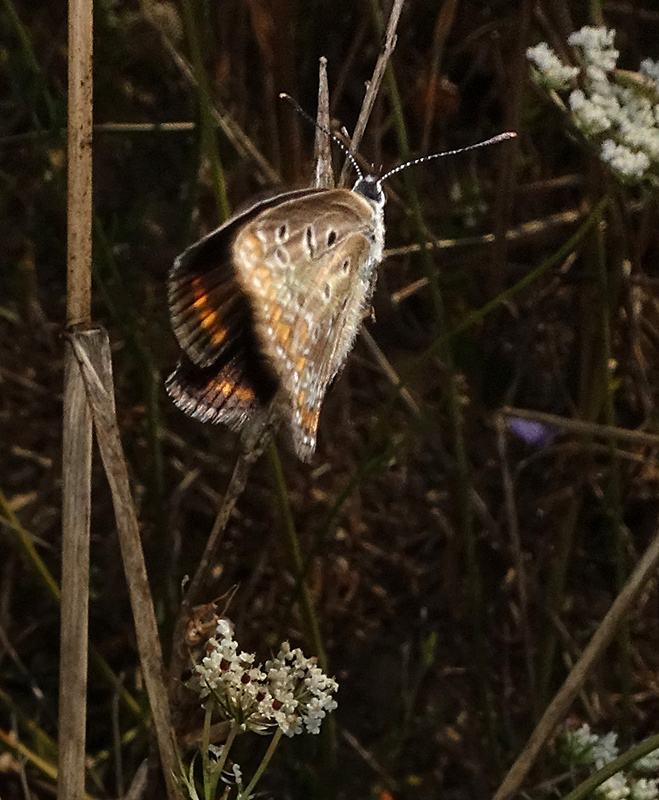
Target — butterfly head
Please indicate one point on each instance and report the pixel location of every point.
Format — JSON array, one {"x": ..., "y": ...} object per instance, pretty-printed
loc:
[{"x": 371, "y": 188}]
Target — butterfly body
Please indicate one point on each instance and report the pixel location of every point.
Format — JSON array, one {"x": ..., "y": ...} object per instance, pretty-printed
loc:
[{"x": 266, "y": 308}]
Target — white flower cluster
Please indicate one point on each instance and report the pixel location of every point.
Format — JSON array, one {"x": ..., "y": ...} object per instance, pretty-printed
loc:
[
  {"x": 583, "y": 747},
  {"x": 649, "y": 763},
  {"x": 550, "y": 69},
  {"x": 619, "y": 113},
  {"x": 598, "y": 50},
  {"x": 290, "y": 691}
]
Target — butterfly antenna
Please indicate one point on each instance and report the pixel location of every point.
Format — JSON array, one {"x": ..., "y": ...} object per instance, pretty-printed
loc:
[
  {"x": 501, "y": 137},
  {"x": 303, "y": 113}
]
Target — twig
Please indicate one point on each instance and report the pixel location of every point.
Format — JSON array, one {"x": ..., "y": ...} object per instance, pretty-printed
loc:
[
  {"x": 524, "y": 233},
  {"x": 386, "y": 367},
  {"x": 559, "y": 706},
  {"x": 374, "y": 85},
  {"x": 144, "y": 127}
]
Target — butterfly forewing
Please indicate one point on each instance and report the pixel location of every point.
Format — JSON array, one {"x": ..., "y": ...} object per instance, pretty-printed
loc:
[
  {"x": 223, "y": 376},
  {"x": 206, "y": 305},
  {"x": 308, "y": 267}
]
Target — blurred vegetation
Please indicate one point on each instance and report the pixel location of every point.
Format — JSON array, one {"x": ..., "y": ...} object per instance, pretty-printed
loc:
[{"x": 451, "y": 601}]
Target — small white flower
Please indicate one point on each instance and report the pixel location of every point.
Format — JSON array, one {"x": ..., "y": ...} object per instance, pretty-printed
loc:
[
  {"x": 592, "y": 115},
  {"x": 605, "y": 749},
  {"x": 215, "y": 751},
  {"x": 615, "y": 788},
  {"x": 223, "y": 629},
  {"x": 650, "y": 69},
  {"x": 644, "y": 789},
  {"x": 236, "y": 776},
  {"x": 597, "y": 46},
  {"x": 552, "y": 70},
  {"x": 579, "y": 745},
  {"x": 300, "y": 691},
  {"x": 628, "y": 163},
  {"x": 214, "y": 756},
  {"x": 648, "y": 763}
]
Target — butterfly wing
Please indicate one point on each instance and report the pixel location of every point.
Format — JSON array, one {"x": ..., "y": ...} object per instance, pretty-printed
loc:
[
  {"x": 206, "y": 305},
  {"x": 209, "y": 394},
  {"x": 308, "y": 267},
  {"x": 222, "y": 376}
]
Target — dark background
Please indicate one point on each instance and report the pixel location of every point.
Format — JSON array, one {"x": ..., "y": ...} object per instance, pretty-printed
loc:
[{"x": 443, "y": 664}]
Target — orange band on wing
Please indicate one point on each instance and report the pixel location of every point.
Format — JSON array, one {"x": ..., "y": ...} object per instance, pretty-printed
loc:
[
  {"x": 239, "y": 390},
  {"x": 207, "y": 315}
]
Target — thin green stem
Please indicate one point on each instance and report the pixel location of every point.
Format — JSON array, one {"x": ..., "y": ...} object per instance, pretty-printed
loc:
[
  {"x": 596, "y": 12},
  {"x": 31, "y": 58},
  {"x": 49, "y": 770},
  {"x": 308, "y": 611},
  {"x": 233, "y": 732},
  {"x": 295, "y": 555},
  {"x": 205, "y": 744},
  {"x": 245, "y": 794},
  {"x": 554, "y": 595},
  {"x": 208, "y": 128},
  {"x": 25, "y": 541}
]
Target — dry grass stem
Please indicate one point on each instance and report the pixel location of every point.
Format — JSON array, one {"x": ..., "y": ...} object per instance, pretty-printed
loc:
[
  {"x": 92, "y": 351},
  {"x": 374, "y": 84},
  {"x": 77, "y": 425},
  {"x": 574, "y": 683}
]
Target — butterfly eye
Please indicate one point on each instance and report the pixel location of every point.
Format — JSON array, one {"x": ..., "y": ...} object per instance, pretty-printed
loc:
[
  {"x": 331, "y": 238},
  {"x": 345, "y": 267},
  {"x": 282, "y": 233}
]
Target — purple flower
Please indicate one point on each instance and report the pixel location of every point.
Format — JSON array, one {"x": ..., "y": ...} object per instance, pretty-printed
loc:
[{"x": 534, "y": 433}]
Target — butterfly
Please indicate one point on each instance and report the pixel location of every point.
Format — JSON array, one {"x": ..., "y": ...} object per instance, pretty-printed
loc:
[{"x": 266, "y": 308}]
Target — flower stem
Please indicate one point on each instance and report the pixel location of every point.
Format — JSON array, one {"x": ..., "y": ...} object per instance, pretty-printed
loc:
[
  {"x": 227, "y": 746},
  {"x": 244, "y": 795},
  {"x": 205, "y": 742}
]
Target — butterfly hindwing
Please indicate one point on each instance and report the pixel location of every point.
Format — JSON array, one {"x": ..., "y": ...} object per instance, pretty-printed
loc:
[
  {"x": 308, "y": 268},
  {"x": 225, "y": 394}
]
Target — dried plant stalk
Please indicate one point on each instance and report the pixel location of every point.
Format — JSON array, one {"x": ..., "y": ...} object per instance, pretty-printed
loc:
[
  {"x": 92, "y": 351},
  {"x": 573, "y": 684},
  {"x": 77, "y": 430}
]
